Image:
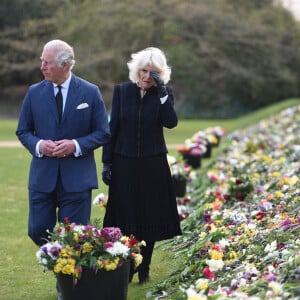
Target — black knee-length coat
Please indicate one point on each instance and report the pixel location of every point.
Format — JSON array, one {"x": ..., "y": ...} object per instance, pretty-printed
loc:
[{"x": 141, "y": 198}]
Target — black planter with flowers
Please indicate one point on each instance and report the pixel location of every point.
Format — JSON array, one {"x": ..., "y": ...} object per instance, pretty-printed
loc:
[
  {"x": 100, "y": 285},
  {"x": 193, "y": 160},
  {"x": 179, "y": 183},
  {"x": 207, "y": 153},
  {"x": 90, "y": 262}
]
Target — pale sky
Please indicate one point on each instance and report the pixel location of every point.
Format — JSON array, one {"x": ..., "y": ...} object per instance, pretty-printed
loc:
[{"x": 294, "y": 6}]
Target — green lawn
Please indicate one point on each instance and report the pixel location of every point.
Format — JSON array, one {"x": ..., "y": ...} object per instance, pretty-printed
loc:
[{"x": 21, "y": 278}]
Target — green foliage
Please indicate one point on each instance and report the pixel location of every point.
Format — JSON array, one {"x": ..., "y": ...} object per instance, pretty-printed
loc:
[{"x": 228, "y": 57}]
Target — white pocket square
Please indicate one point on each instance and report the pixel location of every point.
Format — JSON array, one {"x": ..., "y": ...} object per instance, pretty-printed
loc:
[{"x": 82, "y": 106}]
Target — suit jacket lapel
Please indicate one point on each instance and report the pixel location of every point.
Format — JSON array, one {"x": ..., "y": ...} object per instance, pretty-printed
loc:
[{"x": 73, "y": 97}]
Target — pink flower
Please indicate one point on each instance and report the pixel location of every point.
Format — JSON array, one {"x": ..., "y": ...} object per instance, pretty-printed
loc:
[
  {"x": 108, "y": 245},
  {"x": 286, "y": 224},
  {"x": 208, "y": 273}
]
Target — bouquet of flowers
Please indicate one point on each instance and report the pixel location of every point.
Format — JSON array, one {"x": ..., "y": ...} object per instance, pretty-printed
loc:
[
  {"x": 179, "y": 169},
  {"x": 101, "y": 201},
  {"x": 196, "y": 145},
  {"x": 72, "y": 247}
]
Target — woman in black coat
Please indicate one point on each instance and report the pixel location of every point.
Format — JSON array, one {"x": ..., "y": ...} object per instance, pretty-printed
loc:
[{"x": 141, "y": 198}]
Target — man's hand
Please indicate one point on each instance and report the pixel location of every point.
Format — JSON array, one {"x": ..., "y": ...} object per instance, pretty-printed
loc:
[
  {"x": 47, "y": 147},
  {"x": 63, "y": 148}
]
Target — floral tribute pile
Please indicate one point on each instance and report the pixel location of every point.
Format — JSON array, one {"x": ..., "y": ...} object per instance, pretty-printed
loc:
[
  {"x": 242, "y": 240},
  {"x": 73, "y": 247},
  {"x": 201, "y": 140}
]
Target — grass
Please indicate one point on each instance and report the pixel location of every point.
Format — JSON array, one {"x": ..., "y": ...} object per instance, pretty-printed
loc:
[{"x": 20, "y": 275}]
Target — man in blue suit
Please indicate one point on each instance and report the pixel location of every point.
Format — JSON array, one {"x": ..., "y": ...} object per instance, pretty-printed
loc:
[{"x": 63, "y": 169}]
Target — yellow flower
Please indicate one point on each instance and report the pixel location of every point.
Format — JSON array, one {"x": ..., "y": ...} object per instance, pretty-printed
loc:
[
  {"x": 138, "y": 258},
  {"x": 243, "y": 225},
  {"x": 87, "y": 247},
  {"x": 65, "y": 265},
  {"x": 283, "y": 181},
  {"x": 112, "y": 264},
  {"x": 294, "y": 180},
  {"x": 213, "y": 228},
  {"x": 197, "y": 297},
  {"x": 233, "y": 255},
  {"x": 202, "y": 235},
  {"x": 109, "y": 264},
  {"x": 76, "y": 236},
  {"x": 275, "y": 174},
  {"x": 202, "y": 284},
  {"x": 278, "y": 194},
  {"x": 267, "y": 159},
  {"x": 216, "y": 254}
]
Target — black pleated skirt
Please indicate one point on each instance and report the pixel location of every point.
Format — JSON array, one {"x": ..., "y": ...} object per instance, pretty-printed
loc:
[{"x": 142, "y": 200}]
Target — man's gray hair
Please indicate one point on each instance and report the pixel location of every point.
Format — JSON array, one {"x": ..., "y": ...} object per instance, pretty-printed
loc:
[{"x": 64, "y": 52}]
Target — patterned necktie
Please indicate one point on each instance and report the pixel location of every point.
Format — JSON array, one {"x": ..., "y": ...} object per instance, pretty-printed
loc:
[{"x": 59, "y": 102}]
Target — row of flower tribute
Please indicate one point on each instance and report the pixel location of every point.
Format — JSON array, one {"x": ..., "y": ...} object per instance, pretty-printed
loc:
[
  {"x": 241, "y": 240},
  {"x": 200, "y": 145}
]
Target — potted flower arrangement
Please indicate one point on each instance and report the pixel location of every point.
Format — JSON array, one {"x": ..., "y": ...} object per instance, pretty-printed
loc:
[
  {"x": 180, "y": 172},
  {"x": 192, "y": 151},
  {"x": 215, "y": 134},
  {"x": 85, "y": 258}
]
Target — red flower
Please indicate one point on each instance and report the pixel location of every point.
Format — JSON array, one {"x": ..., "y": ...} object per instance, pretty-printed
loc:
[
  {"x": 239, "y": 195},
  {"x": 208, "y": 273},
  {"x": 186, "y": 200},
  {"x": 132, "y": 242},
  {"x": 226, "y": 196},
  {"x": 260, "y": 215},
  {"x": 238, "y": 181},
  {"x": 66, "y": 220}
]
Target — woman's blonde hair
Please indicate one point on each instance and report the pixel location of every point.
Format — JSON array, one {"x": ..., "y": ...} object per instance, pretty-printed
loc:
[{"x": 152, "y": 57}]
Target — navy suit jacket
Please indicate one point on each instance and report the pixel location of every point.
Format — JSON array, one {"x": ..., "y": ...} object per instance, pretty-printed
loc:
[{"x": 89, "y": 126}]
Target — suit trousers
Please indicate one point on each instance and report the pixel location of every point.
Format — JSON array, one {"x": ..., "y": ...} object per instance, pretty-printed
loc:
[{"x": 45, "y": 209}]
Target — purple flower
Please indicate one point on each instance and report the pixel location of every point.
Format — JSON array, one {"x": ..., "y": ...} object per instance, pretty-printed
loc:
[
  {"x": 77, "y": 246},
  {"x": 55, "y": 251},
  {"x": 45, "y": 250},
  {"x": 271, "y": 277},
  {"x": 111, "y": 234}
]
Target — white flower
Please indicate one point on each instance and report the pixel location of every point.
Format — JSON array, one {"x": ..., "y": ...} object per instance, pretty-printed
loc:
[
  {"x": 238, "y": 217},
  {"x": 276, "y": 287},
  {"x": 223, "y": 242},
  {"x": 250, "y": 226},
  {"x": 215, "y": 264},
  {"x": 118, "y": 249},
  {"x": 171, "y": 159},
  {"x": 285, "y": 253},
  {"x": 99, "y": 198},
  {"x": 51, "y": 249},
  {"x": 192, "y": 294},
  {"x": 79, "y": 228},
  {"x": 271, "y": 247}
]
